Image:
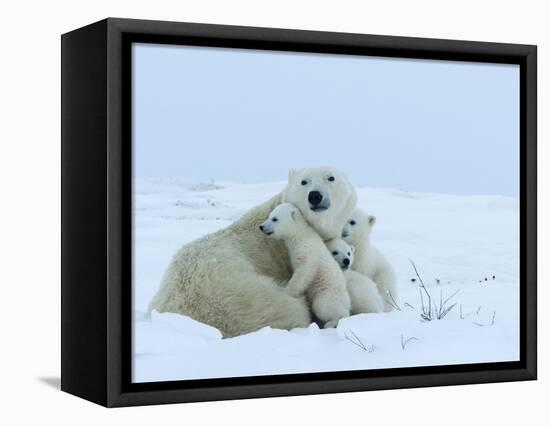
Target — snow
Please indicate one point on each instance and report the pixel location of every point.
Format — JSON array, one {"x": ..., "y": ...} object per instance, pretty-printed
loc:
[{"x": 458, "y": 243}]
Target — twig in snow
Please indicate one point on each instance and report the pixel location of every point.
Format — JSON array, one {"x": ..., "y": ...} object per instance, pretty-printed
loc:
[
  {"x": 491, "y": 323},
  {"x": 392, "y": 301},
  {"x": 426, "y": 311},
  {"x": 437, "y": 312},
  {"x": 442, "y": 310},
  {"x": 357, "y": 342},
  {"x": 404, "y": 342}
]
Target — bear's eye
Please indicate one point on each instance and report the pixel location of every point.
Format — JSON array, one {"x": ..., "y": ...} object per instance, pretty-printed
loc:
[
  {"x": 352, "y": 222},
  {"x": 334, "y": 253},
  {"x": 349, "y": 253},
  {"x": 274, "y": 219},
  {"x": 304, "y": 182},
  {"x": 331, "y": 178}
]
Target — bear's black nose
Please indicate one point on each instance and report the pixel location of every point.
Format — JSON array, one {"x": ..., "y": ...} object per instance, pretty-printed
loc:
[
  {"x": 315, "y": 198},
  {"x": 261, "y": 227},
  {"x": 346, "y": 261}
]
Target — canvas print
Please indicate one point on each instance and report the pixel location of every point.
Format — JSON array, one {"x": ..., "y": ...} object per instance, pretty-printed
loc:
[{"x": 301, "y": 212}]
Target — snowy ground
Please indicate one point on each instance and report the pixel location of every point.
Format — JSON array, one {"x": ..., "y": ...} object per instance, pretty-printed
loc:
[{"x": 456, "y": 243}]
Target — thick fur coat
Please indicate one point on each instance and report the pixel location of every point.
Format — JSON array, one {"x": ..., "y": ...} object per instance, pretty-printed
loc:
[
  {"x": 314, "y": 272},
  {"x": 368, "y": 260},
  {"x": 232, "y": 279},
  {"x": 363, "y": 292}
]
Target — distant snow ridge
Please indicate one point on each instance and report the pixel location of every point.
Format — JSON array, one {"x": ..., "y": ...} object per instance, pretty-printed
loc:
[
  {"x": 148, "y": 185},
  {"x": 202, "y": 186}
]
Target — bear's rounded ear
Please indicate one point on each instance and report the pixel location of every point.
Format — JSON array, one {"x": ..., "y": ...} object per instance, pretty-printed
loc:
[
  {"x": 291, "y": 174},
  {"x": 372, "y": 220}
]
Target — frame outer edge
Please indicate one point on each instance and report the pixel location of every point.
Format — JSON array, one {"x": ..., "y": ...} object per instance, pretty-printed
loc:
[
  {"x": 531, "y": 209},
  {"x": 83, "y": 231},
  {"x": 426, "y": 48},
  {"x": 116, "y": 394},
  {"x": 115, "y": 205}
]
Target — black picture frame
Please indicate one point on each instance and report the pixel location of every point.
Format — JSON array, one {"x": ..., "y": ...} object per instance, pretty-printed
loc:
[{"x": 97, "y": 220}]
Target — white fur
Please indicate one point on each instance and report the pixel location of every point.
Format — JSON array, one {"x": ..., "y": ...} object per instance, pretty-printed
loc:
[
  {"x": 363, "y": 292},
  {"x": 368, "y": 260},
  {"x": 231, "y": 279},
  {"x": 339, "y": 193},
  {"x": 314, "y": 272}
]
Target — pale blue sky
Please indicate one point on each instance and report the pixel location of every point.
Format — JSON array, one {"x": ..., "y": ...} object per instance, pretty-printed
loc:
[{"x": 248, "y": 116}]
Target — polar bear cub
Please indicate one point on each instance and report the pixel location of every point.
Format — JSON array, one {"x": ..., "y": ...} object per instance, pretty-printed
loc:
[
  {"x": 363, "y": 292},
  {"x": 368, "y": 260},
  {"x": 314, "y": 272}
]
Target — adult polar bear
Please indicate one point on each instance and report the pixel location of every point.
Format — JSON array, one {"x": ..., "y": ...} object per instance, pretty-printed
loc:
[{"x": 232, "y": 279}]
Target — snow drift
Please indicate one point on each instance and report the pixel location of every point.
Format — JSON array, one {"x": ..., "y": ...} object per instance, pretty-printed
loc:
[{"x": 468, "y": 245}]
